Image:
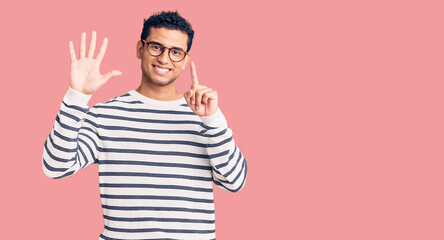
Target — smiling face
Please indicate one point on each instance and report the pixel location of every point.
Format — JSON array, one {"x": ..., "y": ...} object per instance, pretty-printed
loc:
[{"x": 160, "y": 70}]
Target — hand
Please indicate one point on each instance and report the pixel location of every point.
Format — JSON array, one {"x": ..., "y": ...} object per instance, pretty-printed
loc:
[
  {"x": 85, "y": 76},
  {"x": 201, "y": 99}
]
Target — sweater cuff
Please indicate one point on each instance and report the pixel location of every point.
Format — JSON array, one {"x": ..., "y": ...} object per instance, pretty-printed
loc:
[
  {"x": 216, "y": 120},
  {"x": 73, "y": 97}
]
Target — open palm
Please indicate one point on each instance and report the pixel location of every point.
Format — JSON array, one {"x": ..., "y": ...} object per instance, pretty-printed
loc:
[{"x": 85, "y": 75}]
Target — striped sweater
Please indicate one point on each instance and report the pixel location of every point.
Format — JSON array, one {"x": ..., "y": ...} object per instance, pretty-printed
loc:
[{"x": 157, "y": 161}]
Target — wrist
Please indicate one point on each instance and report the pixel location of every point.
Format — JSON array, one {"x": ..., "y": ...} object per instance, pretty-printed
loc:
[
  {"x": 215, "y": 120},
  {"x": 74, "y": 97}
]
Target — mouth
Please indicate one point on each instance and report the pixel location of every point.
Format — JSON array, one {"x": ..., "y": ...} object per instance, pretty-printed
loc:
[{"x": 161, "y": 70}]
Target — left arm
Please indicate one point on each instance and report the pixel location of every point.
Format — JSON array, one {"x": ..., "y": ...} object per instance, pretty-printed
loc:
[{"x": 229, "y": 168}]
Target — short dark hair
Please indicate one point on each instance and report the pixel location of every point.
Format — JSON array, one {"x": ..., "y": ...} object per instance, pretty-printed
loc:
[{"x": 169, "y": 20}]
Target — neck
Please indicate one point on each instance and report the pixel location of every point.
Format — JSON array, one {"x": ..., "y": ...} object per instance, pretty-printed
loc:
[{"x": 161, "y": 93}]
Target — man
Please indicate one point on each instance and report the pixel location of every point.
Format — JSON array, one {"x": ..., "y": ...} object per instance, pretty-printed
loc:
[{"x": 158, "y": 150}]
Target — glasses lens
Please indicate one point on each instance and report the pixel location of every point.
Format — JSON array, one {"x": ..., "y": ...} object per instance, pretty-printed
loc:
[
  {"x": 177, "y": 55},
  {"x": 155, "y": 49}
]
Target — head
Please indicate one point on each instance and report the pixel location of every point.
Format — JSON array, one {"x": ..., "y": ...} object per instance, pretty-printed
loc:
[{"x": 171, "y": 31}]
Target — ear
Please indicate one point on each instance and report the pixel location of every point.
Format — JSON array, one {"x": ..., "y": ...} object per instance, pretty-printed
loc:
[
  {"x": 186, "y": 60},
  {"x": 139, "y": 49}
]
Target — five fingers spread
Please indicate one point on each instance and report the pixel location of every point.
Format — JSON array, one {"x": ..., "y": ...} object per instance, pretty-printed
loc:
[{"x": 85, "y": 73}]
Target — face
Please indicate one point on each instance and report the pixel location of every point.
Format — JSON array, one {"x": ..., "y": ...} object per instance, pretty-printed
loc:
[{"x": 161, "y": 70}]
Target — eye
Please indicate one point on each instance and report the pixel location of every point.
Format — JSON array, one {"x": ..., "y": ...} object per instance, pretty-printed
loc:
[
  {"x": 176, "y": 52},
  {"x": 155, "y": 47}
]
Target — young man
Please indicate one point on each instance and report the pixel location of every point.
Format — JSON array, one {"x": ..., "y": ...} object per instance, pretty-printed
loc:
[{"x": 158, "y": 150}]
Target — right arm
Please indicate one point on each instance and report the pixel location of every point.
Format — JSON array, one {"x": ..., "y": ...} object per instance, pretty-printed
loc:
[{"x": 73, "y": 141}]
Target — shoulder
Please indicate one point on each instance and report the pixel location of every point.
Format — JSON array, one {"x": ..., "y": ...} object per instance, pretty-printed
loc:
[
  {"x": 124, "y": 101},
  {"x": 126, "y": 98}
]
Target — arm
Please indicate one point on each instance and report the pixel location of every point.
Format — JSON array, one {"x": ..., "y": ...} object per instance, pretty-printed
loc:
[
  {"x": 73, "y": 141},
  {"x": 229, "y": 166}
]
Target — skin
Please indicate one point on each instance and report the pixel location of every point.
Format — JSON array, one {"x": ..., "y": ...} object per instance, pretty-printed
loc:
[
  {"x": 85, "y": 75},
  {"x": 154, "y": 85}
]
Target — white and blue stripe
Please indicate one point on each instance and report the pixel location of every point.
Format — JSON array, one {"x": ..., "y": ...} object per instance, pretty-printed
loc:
[{"x": 157, "y": 161}]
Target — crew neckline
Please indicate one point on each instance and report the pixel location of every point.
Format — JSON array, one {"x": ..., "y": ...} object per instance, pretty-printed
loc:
[{"x": 155, "y": 102}]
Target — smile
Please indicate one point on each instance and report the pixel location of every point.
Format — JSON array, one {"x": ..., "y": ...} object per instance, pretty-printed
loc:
[{"x": 161, "y": 70}]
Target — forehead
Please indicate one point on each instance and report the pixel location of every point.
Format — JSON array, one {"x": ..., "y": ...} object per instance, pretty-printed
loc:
[{"x": 169, "y": 38}]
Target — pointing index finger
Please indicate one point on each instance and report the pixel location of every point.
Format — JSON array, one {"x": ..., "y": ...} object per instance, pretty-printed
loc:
[{"x": 193, "y": 73}]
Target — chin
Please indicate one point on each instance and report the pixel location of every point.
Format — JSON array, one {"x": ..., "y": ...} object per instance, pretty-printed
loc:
[{"x": 161, "y": 82}]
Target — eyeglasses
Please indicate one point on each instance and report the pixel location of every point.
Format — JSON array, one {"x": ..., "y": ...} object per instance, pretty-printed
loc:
[{"x": 156, "y": 49}]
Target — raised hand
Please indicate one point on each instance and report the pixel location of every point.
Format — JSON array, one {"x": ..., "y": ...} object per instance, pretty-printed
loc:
[
  {"x": 85, "y": 75},
  {"x": 201, "y": 99}
]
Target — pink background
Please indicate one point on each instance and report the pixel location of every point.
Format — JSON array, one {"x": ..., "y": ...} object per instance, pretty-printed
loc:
[{"x": 336, "y": 105}]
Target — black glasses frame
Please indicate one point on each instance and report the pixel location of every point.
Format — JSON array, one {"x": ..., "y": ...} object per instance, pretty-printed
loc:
[{"x": 163, "y": 50}]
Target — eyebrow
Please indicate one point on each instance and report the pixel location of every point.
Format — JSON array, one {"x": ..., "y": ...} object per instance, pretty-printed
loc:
[{"x": 178, "y": 48}]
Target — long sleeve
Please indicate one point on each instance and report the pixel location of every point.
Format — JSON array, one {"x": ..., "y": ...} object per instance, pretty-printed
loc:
[
  {"x": 229, "y": 167},
  {"x": 73, "y": 142}
]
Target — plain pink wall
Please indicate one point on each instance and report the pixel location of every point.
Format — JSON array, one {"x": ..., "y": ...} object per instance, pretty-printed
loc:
[{"x": 336, "y": 105}]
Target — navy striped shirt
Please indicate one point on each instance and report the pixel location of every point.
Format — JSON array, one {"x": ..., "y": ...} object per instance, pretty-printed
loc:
[{"x": 157, "y": 161}]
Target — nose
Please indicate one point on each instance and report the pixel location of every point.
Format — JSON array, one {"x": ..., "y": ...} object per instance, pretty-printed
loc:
[{"x": 163, "y": 58}]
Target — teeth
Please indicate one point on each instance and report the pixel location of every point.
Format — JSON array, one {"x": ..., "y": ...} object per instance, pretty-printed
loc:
[{"x": 162, "y": 69}]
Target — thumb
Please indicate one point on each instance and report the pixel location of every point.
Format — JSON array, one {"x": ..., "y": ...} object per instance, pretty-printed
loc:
[
  {"x": 187, "y": 96},
  {"x": 110, "y": 75}
]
